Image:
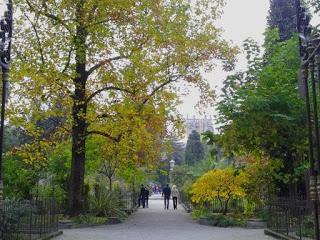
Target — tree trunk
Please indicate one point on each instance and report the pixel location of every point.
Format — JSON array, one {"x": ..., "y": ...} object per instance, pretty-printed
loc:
[
  {"x": 79, "y": 124},
  {"x": 110, "y": 183},
  {"x": 225, "y": 211}
]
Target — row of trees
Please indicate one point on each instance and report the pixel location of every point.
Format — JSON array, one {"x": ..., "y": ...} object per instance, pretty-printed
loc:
[{"x": 262, "y": 119}]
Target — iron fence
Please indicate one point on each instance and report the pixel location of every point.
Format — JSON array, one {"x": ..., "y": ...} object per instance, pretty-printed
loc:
[
  {"x": 129, "y": 201},
  {"x": 215, "y": 206},
  {"x": 292, "y": 218},
  {"x": 28, "y": 220}
]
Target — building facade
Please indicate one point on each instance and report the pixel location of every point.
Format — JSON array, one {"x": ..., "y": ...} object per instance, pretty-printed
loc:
[{"x": 200, "y": 125}]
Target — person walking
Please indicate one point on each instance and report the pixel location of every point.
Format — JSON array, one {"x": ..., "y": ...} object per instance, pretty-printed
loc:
[
  {"x": 166, "y": 193},
  {"x": 175, "y": 196},
  {"x": 142, "y": 196},
  {"x": 147, "y": 197}
]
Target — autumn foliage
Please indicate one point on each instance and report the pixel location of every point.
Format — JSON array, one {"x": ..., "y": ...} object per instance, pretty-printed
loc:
[{"x": 221, "y": 184}]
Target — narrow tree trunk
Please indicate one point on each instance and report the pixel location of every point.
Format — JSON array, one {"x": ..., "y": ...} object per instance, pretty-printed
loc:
[
  {"x": 79, "y": 124},
  {"x": 110, "y": 183},
  {"x": 225, "y": 211}
]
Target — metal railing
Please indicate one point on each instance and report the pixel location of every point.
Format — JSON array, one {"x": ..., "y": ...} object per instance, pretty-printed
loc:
[
  {"x": 292, "y": 218},
  {"x": 215, "y": 206},
  {"x": 129, "y": 201},
  {"x": 28, "y": 220}
]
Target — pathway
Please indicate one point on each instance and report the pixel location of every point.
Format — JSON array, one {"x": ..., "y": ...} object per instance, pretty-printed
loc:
[{"x": 157, "y": 224}]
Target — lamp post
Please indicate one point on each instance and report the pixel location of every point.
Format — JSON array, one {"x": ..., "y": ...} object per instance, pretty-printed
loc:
[
  {"x": 310, "y": 70},
  {"x": 5, "y": 57},
  {"x": 171, "y": 165}
]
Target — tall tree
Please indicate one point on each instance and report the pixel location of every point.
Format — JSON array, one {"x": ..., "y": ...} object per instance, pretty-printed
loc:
[
  {"x": 282, "y": 15},
  {"x": 177, "y": 151},
  {"x": 264, "y": 113},
  {"x": 194, "y": 149},
  {"x": 111, "y": 65}
]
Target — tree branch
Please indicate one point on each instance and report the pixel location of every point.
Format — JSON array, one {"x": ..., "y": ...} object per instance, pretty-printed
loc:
[
  {"x": 158, "y": 88},
  {"x": 106, "y": 89},
  {"x": 38, "y": 38},
  {"x": 68, "y": 60},
  {"x": 104, "y": 62},
  {"x": 49, "y": 15},
  {"x": 116, "y": 139}
]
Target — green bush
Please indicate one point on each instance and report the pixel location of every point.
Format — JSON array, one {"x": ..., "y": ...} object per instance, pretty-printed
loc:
[
  {"x": 200, "y": 212},
  {"x": 225, "y": 221},
  {"x": 106, "y": 204},
  {"x": 89, "y": 219},
  {"x": 249, "y": 208}
]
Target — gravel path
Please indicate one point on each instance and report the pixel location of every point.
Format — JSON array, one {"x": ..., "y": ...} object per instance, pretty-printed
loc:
[{"x": 157, "y": 224}]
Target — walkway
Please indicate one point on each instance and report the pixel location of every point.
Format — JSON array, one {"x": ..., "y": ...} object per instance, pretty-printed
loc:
[{"x": 157, "y": 224}]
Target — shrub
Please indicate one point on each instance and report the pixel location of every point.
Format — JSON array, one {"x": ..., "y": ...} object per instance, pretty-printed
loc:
[
  {"x": 222, "y": 184},
  {"x": 225, "y": 221},
  {"x": 106, "y": 204},
  {"x": 89, "y": 219},
  {"x": 200, "y": 212}
]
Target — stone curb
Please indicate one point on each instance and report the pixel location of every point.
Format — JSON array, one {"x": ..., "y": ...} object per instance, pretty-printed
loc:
[
  {"x": 52, "y": 235},
  {"x": 279, "y": 235}
]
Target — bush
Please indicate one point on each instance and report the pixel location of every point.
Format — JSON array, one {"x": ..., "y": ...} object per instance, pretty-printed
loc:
[
  {"x": 89, "y": 219},
  {"x": 200, "y": 212},
  {"x": 106, "y": 204},
  {"x": 249, "y": 208},
  {"x": 225, "y": 221}
]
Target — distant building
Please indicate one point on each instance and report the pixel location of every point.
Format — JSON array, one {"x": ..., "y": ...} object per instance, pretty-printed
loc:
[{"x": 200, "y": 125}]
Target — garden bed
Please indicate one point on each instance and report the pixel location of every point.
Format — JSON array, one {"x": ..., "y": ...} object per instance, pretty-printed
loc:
[{"x": 88, "y": 221}]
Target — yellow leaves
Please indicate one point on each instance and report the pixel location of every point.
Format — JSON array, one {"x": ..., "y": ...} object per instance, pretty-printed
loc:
[
  {"x": 219, "y": 183},
  {"x": 35, "y": 154}
]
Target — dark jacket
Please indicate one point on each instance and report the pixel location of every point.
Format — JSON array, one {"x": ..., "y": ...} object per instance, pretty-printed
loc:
[
  {"x": 166, "y": 192},
  {"x": 143, "y": 193}
]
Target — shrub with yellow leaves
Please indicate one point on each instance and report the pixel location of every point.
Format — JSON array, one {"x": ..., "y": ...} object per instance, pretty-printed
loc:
[{"x": 221, "y": 184}]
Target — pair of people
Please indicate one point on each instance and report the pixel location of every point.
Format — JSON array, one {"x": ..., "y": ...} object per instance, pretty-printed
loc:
[
  {"x": 167, "y": 192},
  {"x": 144, "y": 197}
]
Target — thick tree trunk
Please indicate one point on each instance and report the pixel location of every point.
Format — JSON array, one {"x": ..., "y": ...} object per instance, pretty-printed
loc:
[
  {"x": 79, "y": 124},
  {"x": 78, "y": 161}
]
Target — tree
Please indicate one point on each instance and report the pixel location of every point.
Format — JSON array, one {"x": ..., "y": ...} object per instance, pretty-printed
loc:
[
  {"x": 282, "y": 15},
  {"x": 177, "y": 149},
  {"x": 221, "y": 184},
  {"x": 194, "y": 149},
  {"x": 263, "y": 114},
  {"x": 211, "y": 140},
  {"x": 111, "y": 65}
]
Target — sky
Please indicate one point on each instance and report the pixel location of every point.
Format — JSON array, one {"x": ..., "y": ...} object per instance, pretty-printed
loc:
[{"x": 241, "y": 19}]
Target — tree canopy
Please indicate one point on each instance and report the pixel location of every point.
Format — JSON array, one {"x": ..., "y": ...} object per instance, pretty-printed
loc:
[
  {"x": 108, "y": 68},
  {"x": 194, "y": 150}
]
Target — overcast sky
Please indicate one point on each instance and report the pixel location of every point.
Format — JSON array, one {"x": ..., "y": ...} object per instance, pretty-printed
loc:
[{"x": 241, "y": 19}]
